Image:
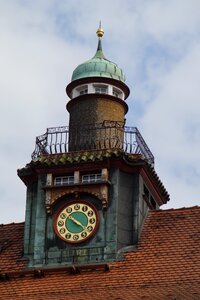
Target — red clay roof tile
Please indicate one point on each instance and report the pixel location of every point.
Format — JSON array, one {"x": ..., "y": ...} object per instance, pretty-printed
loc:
[{"x": 165, "y": 265}]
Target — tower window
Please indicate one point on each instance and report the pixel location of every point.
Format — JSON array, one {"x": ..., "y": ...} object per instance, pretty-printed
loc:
[
  {"x": 83, "y": 91},
  {"x": 63, "y": 180},
  {"x": 149, "y": 198},
  {"x": 153, "y": 202},
  {"x": 91, "y": 178},
  {"x": 146, "y": 192},
  {"x": 117, "y": 93},
  {"x": 101, "y": 89}
]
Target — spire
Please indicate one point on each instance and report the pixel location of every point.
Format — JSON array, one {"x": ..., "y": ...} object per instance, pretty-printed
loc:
[{"x": 100, "y": 33}]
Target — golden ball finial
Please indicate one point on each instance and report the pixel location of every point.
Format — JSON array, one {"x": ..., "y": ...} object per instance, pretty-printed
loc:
[{"x": 100, "y": 31}]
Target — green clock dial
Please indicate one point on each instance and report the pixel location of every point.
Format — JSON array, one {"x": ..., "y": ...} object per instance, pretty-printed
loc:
[{"x": 76, "y": 222}]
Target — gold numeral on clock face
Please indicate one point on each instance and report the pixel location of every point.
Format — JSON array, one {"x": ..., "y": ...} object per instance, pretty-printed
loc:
[
  {"x": 63, "y": 216},
  {"x": 84, "y": 208},
  {"x": 84, "y": 234},
  {"x": 75, "y": 237},
  {"x": 89, "y": 228},
  {"x": 68, "y": 235},
  {"x": 69, "y": 209},
  {"x": 60, "y": 223},
  {"x": 90, "y": 213},
  {"x": 76, "y": 206},
  {"x": 92, "y": 221}
]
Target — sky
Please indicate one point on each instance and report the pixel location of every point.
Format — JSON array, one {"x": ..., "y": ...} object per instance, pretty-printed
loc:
[{"x": 155, "y": 42}]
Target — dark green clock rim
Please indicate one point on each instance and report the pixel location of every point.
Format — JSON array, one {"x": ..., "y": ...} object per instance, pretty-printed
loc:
[{"x": 65, "y": 206}]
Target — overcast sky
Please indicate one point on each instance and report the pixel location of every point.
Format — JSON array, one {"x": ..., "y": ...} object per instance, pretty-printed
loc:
[{"x": 155, "y": 42}]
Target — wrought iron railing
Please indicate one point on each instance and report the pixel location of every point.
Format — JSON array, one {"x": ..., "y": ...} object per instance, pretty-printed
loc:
[{"x": 57, "y": 140}]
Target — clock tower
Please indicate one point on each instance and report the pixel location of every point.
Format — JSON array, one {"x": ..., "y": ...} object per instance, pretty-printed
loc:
[{"x": 91, "y": 184}]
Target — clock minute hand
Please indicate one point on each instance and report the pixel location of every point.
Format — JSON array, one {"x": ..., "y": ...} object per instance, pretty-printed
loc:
[{"x": 76, "y": 221}]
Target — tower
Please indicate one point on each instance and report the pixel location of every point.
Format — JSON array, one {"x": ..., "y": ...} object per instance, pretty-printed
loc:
[
  {"x": 97, "y": 106},
  {"x": 89, "y": 185}
]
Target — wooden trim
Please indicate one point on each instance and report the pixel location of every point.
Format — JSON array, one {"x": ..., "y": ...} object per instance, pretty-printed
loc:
[{"x": 152, "y": 189}]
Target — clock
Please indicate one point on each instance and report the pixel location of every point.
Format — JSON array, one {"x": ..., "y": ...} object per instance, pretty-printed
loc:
[{"x": 76, "y": 222}]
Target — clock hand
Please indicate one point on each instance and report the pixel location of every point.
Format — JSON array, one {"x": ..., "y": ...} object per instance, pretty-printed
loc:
[{"x": 76, "y": 222}]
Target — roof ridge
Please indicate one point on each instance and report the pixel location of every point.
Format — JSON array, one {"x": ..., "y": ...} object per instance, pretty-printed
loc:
[
  {"x": 13, "y": 223},
  {"x": 177, "y": 209}
]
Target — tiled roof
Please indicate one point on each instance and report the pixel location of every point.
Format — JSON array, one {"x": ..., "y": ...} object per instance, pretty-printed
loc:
[
  {"x": 165, "y": 265},
  {"x": 81, "y": 156},
  {"x": 11, "y": 247}
]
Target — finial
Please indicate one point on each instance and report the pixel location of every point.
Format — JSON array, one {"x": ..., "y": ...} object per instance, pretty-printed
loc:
[{"x": 100, "y": 31}]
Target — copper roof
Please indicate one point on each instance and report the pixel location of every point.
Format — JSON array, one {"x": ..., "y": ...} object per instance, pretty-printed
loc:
[{"x": 166, "y": 265}]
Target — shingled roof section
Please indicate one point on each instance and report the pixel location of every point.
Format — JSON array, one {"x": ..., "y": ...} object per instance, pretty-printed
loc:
[
  {"x": 166, "y": 265},
  {"x": 11, "y": 247}
]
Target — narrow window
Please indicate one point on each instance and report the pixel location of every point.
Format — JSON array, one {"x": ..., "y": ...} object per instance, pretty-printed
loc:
[
  {"x": 64, "y": 180},
  {"x": 91, "y": 178},
  {"x": 117, "y": 93},
  {"x": 83, "y": 90},
  {"x": 58, "y": 181},
  {"x": 153, "y": 202},
  {"x": 146, "y": 192},
  {"x": 149, "y": 198},
  {"x": 101, "y": 89}
]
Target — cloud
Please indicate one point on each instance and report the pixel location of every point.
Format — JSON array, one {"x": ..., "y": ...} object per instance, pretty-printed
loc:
[
  {"x": 172, "y": 125},
  {"x": 157, "y": 45}
]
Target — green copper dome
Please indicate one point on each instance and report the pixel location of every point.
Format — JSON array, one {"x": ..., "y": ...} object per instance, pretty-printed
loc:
[{"x": 98, "y": 66}]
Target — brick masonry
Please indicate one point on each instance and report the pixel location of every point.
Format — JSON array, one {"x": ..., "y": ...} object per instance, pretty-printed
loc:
[{"x": 90, "y": 111}]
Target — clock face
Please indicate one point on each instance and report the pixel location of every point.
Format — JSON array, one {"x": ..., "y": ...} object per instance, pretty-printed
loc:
[{"x": 76, "y": 222}]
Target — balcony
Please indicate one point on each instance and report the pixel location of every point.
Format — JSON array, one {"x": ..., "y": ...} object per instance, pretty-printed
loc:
[{"x": 113, "y": 136}]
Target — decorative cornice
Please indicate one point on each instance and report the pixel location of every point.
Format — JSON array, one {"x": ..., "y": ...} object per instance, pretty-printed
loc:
[{"x": 126, "y": 161}]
